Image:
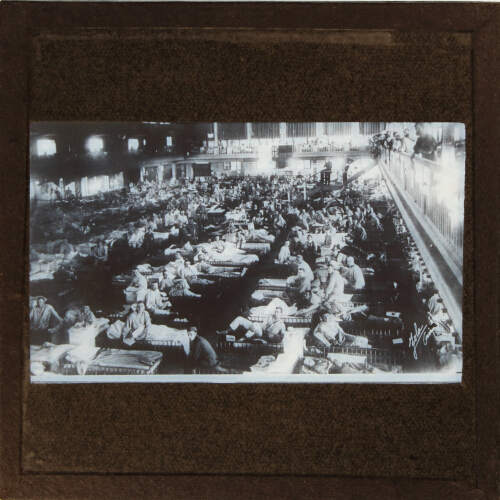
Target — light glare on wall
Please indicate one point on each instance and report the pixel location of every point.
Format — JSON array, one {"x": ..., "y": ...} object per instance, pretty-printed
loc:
[
  {"x": 46, "y": 147},
  {"x": 133, "y": 144}
]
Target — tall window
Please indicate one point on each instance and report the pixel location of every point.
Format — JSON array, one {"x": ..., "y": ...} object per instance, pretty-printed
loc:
[
  {"x": 307, "y": 130},
  {"x": 46, "y": 147},
  {"x": 266, "y": 130},
  {"x": 232, "y": 131}
]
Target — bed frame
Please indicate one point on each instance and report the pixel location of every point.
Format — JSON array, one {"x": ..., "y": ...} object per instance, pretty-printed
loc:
[
  {"x": 228, "y": 263},
  {"x": 71, "y": 369},
  {"x": 361, "y": 328},
  {"x": 373, "y": 356}
]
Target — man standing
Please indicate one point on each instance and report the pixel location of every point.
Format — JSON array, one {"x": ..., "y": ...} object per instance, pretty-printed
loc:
[
  {"x": 327, "y": 172},
  {"x": 426, "y": 145},
  {"x": 40, "y": 319},
  {"x": 407, "y": 142},
  {"x": 148, "y": 244}
]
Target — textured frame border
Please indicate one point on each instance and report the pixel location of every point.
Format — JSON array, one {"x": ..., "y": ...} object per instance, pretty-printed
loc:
[{"x": 482, "y": 20}]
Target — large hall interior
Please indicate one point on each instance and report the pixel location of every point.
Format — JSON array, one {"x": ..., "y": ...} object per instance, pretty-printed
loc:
[{"x": 255, "y": 251}]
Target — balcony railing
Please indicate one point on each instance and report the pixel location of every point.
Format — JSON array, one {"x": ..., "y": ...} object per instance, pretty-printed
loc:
[
  {"x": 223, "y": 150},
  {"x": 326, "y": 148},
  {"x": 437, "y": 191}
]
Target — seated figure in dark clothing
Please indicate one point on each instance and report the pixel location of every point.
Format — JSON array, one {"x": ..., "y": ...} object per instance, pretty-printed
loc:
[{"x": 201, "y": 354}]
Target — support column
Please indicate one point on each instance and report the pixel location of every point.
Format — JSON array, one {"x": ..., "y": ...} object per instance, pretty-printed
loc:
[
  {"x": 283, "y": 132},
  {"x": 216, "y": 134},
  {"x": 160, "y": 174},
  {"x": 249, "y": 131},
  {"x": 448, "y": 146},
  {"x": 174, "y": 172}
]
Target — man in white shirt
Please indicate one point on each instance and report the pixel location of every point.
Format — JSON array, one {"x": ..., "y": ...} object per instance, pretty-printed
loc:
[
  {"x": 302, "y": 264},
  {"x": 135, "y": 241},
  {"x": 139, "y": 285},
  {"x": 136, "y": 324},
  {"x": 155, "y": 303},
  {"x": 335, "y": 284}
]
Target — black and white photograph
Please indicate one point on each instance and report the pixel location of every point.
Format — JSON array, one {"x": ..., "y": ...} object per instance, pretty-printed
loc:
[{"x": 246, "y": 252}]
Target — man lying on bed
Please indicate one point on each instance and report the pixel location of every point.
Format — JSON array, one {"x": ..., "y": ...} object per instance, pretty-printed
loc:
[{"x": 271, "y": 331}]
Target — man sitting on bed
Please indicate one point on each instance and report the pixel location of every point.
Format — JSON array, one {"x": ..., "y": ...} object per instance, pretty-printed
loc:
[
  {"x": 137, "y": 322},
  {"x": 284, "y": 255},
  {"x": 334, "y": 284},
  {"x": 353, "y": 275},
  {"x": 298, "y": 286},
  {"x": 302, "y": 264},
  {"x": 181, "y": 289},
  {"x": 167, "y": 283},
  {"x": 201, "y": 354},
  {"x": 66, "y": 248},
  {"x": 138, "y": 284},
  {"x": 218, "y": 245},
  {"x": 83, "y": 316},
  {"x": 186, "y": 272},
  {"x": 155, "y": 303},
  {"x": 100, "y": 253},
  {"x": 328, "y": 333}
]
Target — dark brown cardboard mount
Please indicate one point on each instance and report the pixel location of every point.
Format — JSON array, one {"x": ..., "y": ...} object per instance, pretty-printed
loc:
[{"x": 253, "y": 62}]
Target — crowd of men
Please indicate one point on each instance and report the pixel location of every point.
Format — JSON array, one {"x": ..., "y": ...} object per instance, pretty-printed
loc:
[{"x": 319, "y": 242}]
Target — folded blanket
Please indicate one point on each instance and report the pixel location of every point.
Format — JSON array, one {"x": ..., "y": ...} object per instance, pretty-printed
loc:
[
  {"x": 115, "y": 330},
  {"x": 118, "y": 358}
]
